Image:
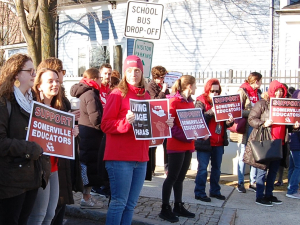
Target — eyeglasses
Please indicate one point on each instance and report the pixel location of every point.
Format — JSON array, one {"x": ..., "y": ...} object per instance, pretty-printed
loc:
[
  {"x": 32, "y": 71},
  {"x": 163, "y": 77},
  {"x": 64, "y": 72},
  {"x": 215, "y": 91}
]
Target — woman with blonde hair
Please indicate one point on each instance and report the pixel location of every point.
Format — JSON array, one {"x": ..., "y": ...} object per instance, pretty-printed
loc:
[
  {"x": 179, "y": 150},
  {"x": 47, "y": 90},
  {"x": 125, "y": 158},
  {"x": 21, "y": 167}
]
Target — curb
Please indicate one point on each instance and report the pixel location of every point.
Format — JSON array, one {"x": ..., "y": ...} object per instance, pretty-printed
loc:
[
  {"x": 76, "y": 211},
  {"x": 228, "y": 216}
]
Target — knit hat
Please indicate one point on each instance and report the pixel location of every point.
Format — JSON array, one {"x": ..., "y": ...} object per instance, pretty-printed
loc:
[{"x": 133, "y": 61}]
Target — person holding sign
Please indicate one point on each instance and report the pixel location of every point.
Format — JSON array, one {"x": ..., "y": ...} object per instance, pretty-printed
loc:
[
  {"x": 259, "y": 116},
  {"x": 250, "y": 94},
  {"x": 179, "y": 150},
  {"x": 47, "y": 90},
  {"x": 125, "y": 158},
  {"x": 210, "y": 148},
  {"x": 21, "y": 162}
]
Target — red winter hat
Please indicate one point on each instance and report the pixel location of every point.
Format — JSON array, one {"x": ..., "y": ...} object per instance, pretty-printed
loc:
[{"x": 133, "y": 61}]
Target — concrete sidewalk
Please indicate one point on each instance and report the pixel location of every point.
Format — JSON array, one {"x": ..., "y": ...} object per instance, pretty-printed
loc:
[{"x": 238, "y": 208}]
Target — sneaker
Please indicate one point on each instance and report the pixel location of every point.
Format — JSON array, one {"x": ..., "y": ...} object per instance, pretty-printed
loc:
[
  {"x": 220, "y": 197},
  {"x": 203, "y": 199},
  {"x": 295, "y": 195},
  {"x": 241, "y": 188},
  {"x": 103, "y": 190},
  {"x": 166, "y": 213},
  {"x": 278, "y": 183},
  {"x": 274, "y": 200},
  {"x": 252, "y": 187},
  {"x": 264, "y": 202},
  {"x": 90, "y": 204}
]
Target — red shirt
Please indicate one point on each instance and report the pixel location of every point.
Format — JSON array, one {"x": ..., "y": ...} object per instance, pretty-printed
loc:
[
  {"x": 104, "y": 91},
  {"x": 53, "y": 161}
]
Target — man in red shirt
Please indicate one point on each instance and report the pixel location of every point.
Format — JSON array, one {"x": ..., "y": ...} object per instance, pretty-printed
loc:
[{"x": 105, "y": 74}]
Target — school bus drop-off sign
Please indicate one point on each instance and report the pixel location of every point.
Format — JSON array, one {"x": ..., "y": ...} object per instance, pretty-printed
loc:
[{"x": 144, "y": 20}]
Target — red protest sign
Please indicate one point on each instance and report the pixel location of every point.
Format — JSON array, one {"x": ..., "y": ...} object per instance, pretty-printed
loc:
[
  {"x": 52, "y": 130},
  {"x": 150, "y": 119},
  {"x": 226, "y": 106},
  {"x": 284, "y": 110},
  {"x": 192, "y": 123},
  {"x": 155, "y": 142}
]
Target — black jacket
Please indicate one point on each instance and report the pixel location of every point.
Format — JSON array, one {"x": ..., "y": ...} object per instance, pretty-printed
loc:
[
  {"x": 204, "y": 145},
  {"x": 21, "y": 167},
  {"x": 90, "y": 134}
]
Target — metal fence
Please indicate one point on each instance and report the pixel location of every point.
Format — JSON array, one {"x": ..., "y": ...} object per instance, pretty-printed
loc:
[{"x": 290, "y": 77}]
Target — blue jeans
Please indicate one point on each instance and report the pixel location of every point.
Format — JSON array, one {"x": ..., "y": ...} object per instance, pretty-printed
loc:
[
  {"x": 46, "y": 201},
  {"x": 126, "y": 181},
  {"x": 241, "y": 164},
  {"x": 215, "y": 155},
  {"x": 260, "y": 180},
  {"x": 294, "y": 172}
]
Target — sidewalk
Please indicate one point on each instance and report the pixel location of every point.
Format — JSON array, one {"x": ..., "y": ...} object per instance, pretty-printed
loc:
[{"x": 238, "y": 208}]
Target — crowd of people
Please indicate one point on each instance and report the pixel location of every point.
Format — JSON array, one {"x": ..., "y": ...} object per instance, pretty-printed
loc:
[{"x": 35, "y": 188}]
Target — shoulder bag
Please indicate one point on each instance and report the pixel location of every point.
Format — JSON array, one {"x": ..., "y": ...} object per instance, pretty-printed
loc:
[{"x": 263, "y": 148}]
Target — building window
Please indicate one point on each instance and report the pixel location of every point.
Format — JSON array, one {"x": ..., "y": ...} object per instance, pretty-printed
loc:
[{"x": 99, "y": 55}]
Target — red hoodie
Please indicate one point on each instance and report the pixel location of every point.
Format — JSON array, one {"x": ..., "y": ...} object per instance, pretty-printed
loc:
[
  {"x": 277, "y": 130},
  {"x": 253, "y": 96},
  {"x": 215, "y": 139},
  {"x": 104, "y": 91}
]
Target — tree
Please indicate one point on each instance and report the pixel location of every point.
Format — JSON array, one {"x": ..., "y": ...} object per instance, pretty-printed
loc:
[
  {"x": 37, "y": 19},
  {"x": 10, "y": 32}
]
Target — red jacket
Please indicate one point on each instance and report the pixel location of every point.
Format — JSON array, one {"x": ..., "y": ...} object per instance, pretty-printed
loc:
[
  {"x": 120, "y": 140},
  {"x": 174, "y": 144}
]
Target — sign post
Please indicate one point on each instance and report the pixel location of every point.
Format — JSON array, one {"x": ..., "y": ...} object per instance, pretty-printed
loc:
[
  {"x": 143, "y": 20},
  {"x": 144, "y": 50}
]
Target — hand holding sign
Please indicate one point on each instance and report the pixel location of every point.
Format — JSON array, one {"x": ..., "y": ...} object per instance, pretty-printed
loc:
[
  {"x": 170, "y": 122},
  {"x": 75, "y": 131},
  {"x": 268, "y": 123},
  {"x": 130, "y": 117}
]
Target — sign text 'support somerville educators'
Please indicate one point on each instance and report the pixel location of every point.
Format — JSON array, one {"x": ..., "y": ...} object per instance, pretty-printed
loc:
[
  {"x": 226, "y": 106},
  {"x": 52, "y": 130},
  {"x": 284, "y": 110}
]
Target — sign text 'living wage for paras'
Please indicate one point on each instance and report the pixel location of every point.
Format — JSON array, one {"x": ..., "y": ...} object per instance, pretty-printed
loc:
[{"x": 143, "y": 20}]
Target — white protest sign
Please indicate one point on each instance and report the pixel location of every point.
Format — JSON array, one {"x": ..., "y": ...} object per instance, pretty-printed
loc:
[
  {"x": 144, "y": 50},
  {"x": 143, "y": 20},
  {"x": 171, "y": 77}
]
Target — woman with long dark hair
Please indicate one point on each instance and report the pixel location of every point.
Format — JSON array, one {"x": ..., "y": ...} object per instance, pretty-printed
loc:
[{"x": 21, "y": 167}]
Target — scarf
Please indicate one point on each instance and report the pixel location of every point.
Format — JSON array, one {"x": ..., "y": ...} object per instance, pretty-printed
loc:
[
  {"x": 90, "y": 83},
  {"x": 24, "y": 101}
]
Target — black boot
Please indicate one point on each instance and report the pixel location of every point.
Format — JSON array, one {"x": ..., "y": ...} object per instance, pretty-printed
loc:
[
  {"x": 179, "y": 210},
  {"x": 167, "y": 214}
]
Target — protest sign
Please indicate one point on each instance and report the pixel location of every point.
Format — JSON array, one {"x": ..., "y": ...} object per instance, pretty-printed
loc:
[
  {"x": 171, "y": 77},
  {"x": 150, "y": 119},
  {"x": 284, "y": 110},
  {"x": 226, "y": 106},
  {"x": 52, "y": 130},
  {"x": 192, "y": 123},
  {"x": 155, "y": 142},
  {"x": 143, "y": 20}
]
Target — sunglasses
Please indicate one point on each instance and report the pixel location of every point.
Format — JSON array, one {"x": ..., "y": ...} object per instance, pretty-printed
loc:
[
  {"x": 215, "y": 91},
  {"x": 31, "y": 71}
]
